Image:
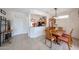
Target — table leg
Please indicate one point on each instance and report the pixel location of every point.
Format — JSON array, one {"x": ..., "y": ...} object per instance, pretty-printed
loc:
[{"x": 57, "y": 41}]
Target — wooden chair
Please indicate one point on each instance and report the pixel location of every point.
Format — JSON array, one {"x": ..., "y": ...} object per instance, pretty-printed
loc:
[
  {"x": 67, "y": 38},
  {"x": 49, "y": 36}
]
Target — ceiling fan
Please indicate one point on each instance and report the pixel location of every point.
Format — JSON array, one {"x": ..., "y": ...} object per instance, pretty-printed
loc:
[{"x": 60, "y": 17}]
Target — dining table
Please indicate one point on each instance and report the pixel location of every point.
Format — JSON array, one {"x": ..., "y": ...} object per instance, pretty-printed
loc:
[{"x": 57, "y": 34}]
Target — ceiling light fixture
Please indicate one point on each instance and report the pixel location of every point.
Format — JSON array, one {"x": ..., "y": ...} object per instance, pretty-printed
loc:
[{"x": 62, "y": 17}]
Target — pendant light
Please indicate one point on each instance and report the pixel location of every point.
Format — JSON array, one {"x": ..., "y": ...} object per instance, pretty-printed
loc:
[{"x": 55, "y": 12}]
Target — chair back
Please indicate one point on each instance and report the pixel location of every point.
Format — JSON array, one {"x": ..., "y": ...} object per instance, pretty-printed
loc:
[
  {"x": 47, "y": 34},
  {"x": 71, "y": 32},
  {"x": 70, "y": 37}
]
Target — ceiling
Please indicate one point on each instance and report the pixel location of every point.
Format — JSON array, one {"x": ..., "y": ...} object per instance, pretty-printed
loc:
[{"x": 50, "y": 11}]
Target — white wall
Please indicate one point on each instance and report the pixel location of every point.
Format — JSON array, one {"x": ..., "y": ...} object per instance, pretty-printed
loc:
[
  {"x": 71, "y": 22},
  {"x": 19, "y": 22},
  {"x": 74, "y": 18}
]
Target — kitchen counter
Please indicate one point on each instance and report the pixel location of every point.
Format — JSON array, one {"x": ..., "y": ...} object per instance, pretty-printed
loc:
[{"x": 36, "y": 31}]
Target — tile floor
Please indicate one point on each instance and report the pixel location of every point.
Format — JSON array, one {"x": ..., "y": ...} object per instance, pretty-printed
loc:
[{"x": 23, "y": 42}]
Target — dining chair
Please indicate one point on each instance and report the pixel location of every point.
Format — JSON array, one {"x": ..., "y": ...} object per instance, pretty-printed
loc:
[
  {"x": 49, "y": 36},
  {"x": 67, "y": 38}
]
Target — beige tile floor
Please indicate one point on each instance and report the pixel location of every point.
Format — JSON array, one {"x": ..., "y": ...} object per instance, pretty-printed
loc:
[{"x": 23, "y": 42}]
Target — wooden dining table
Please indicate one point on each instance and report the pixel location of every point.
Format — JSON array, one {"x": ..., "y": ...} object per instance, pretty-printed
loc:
[{"x": 57, "y": 34}]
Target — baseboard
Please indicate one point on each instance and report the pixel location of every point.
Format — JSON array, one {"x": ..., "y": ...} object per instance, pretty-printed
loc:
[{"x": 19, "y": 34}]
